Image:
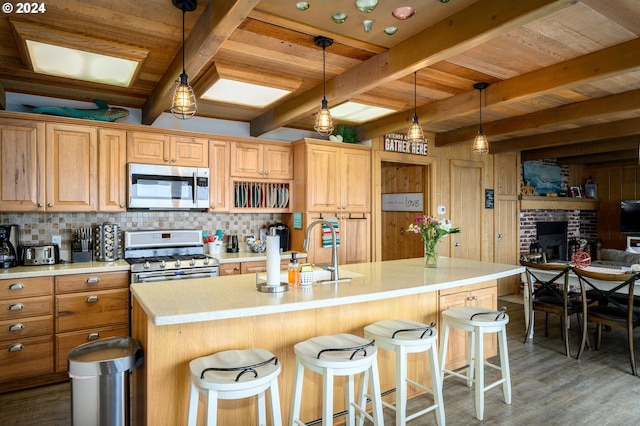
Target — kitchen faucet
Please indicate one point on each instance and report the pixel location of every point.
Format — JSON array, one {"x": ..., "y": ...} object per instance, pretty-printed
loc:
[{"x": 334, "y": 248}]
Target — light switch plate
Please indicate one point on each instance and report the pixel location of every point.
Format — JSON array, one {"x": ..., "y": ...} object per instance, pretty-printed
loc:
[
  {"x": 56, "y": 239},
  {"x": 442, "y": 209}
]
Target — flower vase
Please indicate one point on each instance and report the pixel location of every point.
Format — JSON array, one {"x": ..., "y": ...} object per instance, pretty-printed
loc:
[{"x": 430, "y": 257}]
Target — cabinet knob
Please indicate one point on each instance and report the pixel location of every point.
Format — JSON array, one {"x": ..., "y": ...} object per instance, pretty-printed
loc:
[
  {"x": 92, "y": 299},
  {"x": 173, "y": 160},
  {"x": 50, "y": 205},
  {"x": 261, "y": 173},
  {"x": 15, "y": 348},
  {"x": 16, "y": 286},
  {"x": 266, "y": 173},
  {"x": 40, "y": 204},
  {"x": 122, "y": 206},
  {"x": 456, "y": 244},
  {"x": 16, "y": 327},
  {"x": 166, "y": 160}
]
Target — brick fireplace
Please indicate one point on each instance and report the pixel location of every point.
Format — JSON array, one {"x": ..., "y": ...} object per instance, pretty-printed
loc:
[{"x": 580, "y": 223}]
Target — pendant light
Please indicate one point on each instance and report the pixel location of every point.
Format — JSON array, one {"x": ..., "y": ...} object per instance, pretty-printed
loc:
[
  {"x": 184, "y": 100},
  {"x": 415, "y": 133},
  {"x": 480, "y": 143},
  {"x": 324, "y": 122}
]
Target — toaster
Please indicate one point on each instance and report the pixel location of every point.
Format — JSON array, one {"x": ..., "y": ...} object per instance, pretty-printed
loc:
[{"x": 40, "y": 255}]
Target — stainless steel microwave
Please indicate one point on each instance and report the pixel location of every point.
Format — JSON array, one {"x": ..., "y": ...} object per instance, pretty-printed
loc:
[{"x": 158, "y": 187}]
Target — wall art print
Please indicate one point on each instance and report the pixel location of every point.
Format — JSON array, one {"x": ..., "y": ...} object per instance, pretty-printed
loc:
[{"x": 543, "y": 177}]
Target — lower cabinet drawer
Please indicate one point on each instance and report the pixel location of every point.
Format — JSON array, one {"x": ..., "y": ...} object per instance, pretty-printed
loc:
[
  {"x": 78, "y": 311},
  {"x": 26, "y": 358},
  {"x": 25, "y": 307},
  {"x": 26, "y": 327},
  {"x": 67, "y": 341}
]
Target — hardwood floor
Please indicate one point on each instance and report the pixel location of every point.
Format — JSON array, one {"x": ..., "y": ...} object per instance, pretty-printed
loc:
[{"x": 548, "y": 387}]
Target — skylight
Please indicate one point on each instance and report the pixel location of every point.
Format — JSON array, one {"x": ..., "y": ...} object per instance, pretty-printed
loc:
[
  {"x": 238, "y": 92},
  {"x": 78, "y": 64},
  {"x": 358, "y": 113}
]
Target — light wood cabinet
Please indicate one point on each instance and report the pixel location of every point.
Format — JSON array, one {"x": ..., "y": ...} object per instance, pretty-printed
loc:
[
  {"x": 261, "y": 160},
  {"x": 26, "y": 327},
  {"x": 89, "y": 307},
  {"x": 71, "y": 165},
  {"x": 219, "y": 176},
  {"x": 112, "y": 170},
  {"x": 251, "y": 267},
  {"x": 338, "y": 179},
  {"x": 484, "y": 295},
  {"x": 22, "y": 165},
  {"x": 332, "y": 180},
  {"x": 229, "y": 269},
  {"x": 355, "y": 241},
  {"x": 158, "y": 148}
]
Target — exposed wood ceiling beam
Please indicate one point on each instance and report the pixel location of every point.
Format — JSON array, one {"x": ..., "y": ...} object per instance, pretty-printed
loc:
[
  {"x": 215, "y": 25},
  {"x": 598, "y": 65},
  {"x": 480, "y": 22},
  {"x": 594, "y": 132},
  {"x": 617, "y": 156},
  {"x": 584, "y": 148},
  {"x": 3, "y": 98},
  {"x": 593, "y": 108}
]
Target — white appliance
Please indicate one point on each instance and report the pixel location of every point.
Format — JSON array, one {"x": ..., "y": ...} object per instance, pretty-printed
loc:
[{"x": 159, "y": 187}]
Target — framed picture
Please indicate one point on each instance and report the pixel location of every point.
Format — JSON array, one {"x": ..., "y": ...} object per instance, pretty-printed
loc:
[{"x": 575, "y": 192}]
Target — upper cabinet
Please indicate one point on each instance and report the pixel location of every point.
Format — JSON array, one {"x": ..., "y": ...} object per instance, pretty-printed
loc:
[
  {"x": 261, "y": 160},
  {"x": 158, "y": 148},
  {"x": 336, "y": 177},
  {"x": 219, "y": 176},
  {"x": 112, "y": 170},
  {"x": 71, "y": 164},
  {"x": 22, "y": 152}
]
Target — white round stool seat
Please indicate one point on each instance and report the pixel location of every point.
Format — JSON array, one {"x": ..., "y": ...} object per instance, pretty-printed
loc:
[
  {"x": 404, "y": 337},
  {"x": 235, "y": 374},
  {"x": 477, "y": 321},
  {"x": 338, "y": 355}
]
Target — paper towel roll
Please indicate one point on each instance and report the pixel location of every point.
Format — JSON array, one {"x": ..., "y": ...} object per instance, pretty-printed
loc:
[{"x": 273, "y": 260}]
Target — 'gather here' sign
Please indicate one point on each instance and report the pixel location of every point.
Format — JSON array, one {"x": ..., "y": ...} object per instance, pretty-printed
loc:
[{"x": 397, "y": 142}]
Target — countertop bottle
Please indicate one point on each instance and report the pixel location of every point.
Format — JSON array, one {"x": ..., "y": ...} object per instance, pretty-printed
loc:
[{"x": 293, "y": 276}]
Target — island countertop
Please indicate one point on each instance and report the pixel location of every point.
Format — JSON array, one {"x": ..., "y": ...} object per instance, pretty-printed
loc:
[{"x": 206, "y": 299}]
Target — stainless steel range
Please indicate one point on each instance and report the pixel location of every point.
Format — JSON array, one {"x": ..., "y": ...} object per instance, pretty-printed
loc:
[{"x": 167, "y": 255}]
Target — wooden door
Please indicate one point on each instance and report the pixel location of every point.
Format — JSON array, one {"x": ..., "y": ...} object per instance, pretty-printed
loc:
[
  {"x": 355, "y": 166},
  {"x": 355, "y": 239},
  {"x": 72, "y": 163},
  {"x": 186, "y": 151},
  {"x": 402, "y": 178},
  {"x": 112, "y": 170},
  {"x": 507, "y": 218},
  {"x": 323, "y": 179},
  {"x": 278, "y": 162},
  {"x": 148, "y": 148},
  {"x": 246, "y": 160},
  {"x": 22, "y": 166},
  {"x": 466, "y": 209},
  {"x": 219, "y": 176}
]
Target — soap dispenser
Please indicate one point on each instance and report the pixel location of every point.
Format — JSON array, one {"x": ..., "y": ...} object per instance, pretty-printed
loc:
[{"x": 293, "y": 275}]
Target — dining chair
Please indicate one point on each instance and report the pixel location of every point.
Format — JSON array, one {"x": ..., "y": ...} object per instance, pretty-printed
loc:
[
  {"x": 610, "y": 303},
  {"x": 551, "y": 296}
]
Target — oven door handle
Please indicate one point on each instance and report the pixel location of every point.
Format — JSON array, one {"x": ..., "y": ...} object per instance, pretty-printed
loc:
[{"x": 163, "y": 276}]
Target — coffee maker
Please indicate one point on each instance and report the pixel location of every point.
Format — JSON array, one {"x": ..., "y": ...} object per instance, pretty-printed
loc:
[{"x": 8, "y": 246}]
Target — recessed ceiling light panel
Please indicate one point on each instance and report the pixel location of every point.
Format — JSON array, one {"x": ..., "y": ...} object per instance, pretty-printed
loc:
[
  {"x": 72, "y": 63},
  {"x": 356, "y": 112},
  {"x": 241, "y": 93}
]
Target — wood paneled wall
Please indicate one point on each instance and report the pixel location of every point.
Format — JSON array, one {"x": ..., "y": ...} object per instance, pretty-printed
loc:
[{"x": 615, "y": 184}]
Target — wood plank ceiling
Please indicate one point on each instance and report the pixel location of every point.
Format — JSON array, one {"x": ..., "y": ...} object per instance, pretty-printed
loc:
[{"x": 564, "y": 74}]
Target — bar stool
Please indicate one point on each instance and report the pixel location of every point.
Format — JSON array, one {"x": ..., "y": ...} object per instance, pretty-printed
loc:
[
  {"x": 235, "y": 374},
  {"x": 338, "y": 355},
  {"x": 477, "y": 321},
  {"x": 405, "y": 337}
]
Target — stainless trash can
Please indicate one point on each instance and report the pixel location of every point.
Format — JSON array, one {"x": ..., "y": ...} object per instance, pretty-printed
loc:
[{"x": 99, "y": 373}]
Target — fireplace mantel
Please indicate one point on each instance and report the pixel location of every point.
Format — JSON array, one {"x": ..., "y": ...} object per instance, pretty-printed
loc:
[{"x": 528, "y": 202}]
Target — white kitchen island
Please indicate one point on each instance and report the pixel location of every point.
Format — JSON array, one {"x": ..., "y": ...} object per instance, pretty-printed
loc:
[{"x": 177, "y": 321}]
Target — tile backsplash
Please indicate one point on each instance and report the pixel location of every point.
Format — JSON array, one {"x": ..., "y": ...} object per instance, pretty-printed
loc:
[{"x": 38, "y": 228}]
